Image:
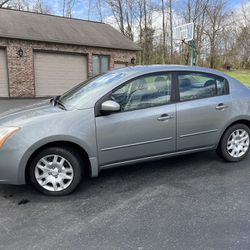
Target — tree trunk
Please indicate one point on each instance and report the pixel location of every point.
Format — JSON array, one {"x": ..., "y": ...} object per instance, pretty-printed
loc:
[
  {"x": 3, "y": 3},
  {"x": 171, "y": 31},
  {"x": 163, "y": 32}
]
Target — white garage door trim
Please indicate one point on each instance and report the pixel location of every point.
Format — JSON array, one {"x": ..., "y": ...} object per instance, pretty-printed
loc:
[
  {"x": 4, "y": 86},
  {"x": 56, "y": 73}
]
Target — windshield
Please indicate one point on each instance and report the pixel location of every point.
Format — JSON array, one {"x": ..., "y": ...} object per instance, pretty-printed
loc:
[{"x": 80, "y": 95}]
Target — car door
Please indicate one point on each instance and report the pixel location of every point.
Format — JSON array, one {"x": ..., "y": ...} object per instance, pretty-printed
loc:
[
  {"x": 202, "y": 111},
  {"x": 146, "y": 124}
]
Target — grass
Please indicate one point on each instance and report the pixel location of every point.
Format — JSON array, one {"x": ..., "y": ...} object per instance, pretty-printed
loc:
[{"x": 241, "y": 75}]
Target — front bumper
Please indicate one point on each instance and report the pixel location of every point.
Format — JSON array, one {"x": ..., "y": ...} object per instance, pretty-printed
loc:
[{"x": 12, "y": 166}]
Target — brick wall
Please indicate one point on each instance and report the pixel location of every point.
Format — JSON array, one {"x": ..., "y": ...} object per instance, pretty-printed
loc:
[{"x": 21, "y": 69}]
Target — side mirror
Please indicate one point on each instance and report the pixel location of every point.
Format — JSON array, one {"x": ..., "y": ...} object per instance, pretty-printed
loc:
[{"x": 110, "y": 106}]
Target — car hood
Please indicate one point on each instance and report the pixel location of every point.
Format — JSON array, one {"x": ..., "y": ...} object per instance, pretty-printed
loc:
[{"x": 20, "y": 116}]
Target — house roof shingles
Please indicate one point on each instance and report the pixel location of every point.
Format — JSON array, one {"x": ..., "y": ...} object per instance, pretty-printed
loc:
[{"x": 48, "y": 28}]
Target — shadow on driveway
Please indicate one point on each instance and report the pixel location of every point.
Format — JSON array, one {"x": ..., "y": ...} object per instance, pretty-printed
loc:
[{"x": 189, "y": 202}]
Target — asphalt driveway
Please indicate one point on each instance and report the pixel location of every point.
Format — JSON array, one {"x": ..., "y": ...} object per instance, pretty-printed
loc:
[{"x": 189, "y": 202}]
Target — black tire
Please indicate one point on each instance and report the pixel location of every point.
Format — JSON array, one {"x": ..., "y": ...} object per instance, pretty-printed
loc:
[
  {"x": 73, "y": 159},
  {"x": 222, "y": 148}
]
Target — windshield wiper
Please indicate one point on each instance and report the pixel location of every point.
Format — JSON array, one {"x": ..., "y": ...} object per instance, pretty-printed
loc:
[
  {"x": 56, "y": 102},
  {"x": 61, "y": 105}
]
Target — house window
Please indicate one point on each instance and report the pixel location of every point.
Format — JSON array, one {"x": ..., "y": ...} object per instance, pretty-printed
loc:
[{"x": 100, "y": 64}]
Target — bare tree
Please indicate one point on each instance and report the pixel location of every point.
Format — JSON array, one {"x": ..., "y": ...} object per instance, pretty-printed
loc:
[
  {"x": 124, "y": 15},
  {"x": 221, "y": 35},
  {"x": 40, "y": 7},
  {"x": 163, "y": 10},
  {"x": 68, "y": 6},
  {"x": 216, "y": 18},
  {"x": 246, "y": 12},
  {"x": 99, "y": 6},
  {"x": 129, "y": 17},
  {"x": 89, "y": 8},
  {"x": 139, "y": 18},
  {"x": 243, "y": 45},
  {"x": 195, "y": 11},
  {"x": 117, "y": 7},
  {"x": 171, "y": 31},
  {"x": 4, "y": 3}
]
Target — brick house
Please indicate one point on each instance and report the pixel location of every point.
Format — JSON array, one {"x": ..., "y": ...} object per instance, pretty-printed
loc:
[{"x": 45, "y": 55}]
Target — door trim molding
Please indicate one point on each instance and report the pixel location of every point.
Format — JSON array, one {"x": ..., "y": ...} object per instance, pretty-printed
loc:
[
  {"x": 154, "y": 157},
  {"x": 199, "y": 133},
  {"x": 136, "y": 144}
]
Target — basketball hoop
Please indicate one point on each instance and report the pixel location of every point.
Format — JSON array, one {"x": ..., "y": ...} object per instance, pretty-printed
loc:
[{"x": 184, "y": 34}]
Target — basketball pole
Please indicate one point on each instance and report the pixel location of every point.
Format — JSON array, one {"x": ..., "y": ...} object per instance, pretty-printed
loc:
[
  {"x": 191, "y": 44},
  {"x": 192, "y": 59}
]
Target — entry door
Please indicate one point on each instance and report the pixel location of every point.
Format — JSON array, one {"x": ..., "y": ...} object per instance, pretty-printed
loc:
[
  {"x": 202, "y": 111},
  {"x": 146, "y": 125}
]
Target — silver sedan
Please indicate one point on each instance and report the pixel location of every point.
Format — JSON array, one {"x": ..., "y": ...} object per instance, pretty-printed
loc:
[{"x": 124, "y": 117}]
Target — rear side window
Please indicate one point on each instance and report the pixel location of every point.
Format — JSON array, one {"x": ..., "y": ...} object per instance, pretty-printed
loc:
[{"x": 194, "y": 85}]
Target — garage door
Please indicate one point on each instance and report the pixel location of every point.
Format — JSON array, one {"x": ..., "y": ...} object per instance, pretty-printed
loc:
[
  {"x": 56, "y": 73},
  {"x": 3, "y": 74}
]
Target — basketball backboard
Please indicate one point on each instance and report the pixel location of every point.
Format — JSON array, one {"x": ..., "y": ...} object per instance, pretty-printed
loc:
[{"x": 184, "y": 32}]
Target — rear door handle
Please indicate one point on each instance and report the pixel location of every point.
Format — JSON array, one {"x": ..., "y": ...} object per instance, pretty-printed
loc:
[
  {"x": 165, "y": 117},
  {"x": 221, "y": 106}
]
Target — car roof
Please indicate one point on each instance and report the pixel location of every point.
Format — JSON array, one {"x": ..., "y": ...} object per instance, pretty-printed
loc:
[{"x": 144, "y": 69}]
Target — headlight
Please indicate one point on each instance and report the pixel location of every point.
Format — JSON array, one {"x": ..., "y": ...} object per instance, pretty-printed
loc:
[{"x": 5, "y": 133}]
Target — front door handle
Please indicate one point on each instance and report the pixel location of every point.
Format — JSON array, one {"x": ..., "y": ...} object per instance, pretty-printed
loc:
[
  {"x": 165, "y": 117},
  {"x": 221, "y": 106}
]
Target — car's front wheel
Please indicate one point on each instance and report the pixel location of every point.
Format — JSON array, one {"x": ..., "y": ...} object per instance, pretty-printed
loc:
[
  {"x": 234, "y": 145},
  {"x": 56, "y": 170}
]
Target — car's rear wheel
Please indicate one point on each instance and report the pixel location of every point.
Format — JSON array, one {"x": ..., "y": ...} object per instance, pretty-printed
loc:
[
  {"x": 56, "y": 171},
  {"x": 234, "y": 145}
]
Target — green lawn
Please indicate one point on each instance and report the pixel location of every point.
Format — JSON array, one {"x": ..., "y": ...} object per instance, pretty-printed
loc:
[{"x": 241, "y": 75}]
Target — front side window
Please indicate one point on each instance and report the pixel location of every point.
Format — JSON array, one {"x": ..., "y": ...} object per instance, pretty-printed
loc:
[
  {"x": 100, "y": 64},
  {"x": 200, "y": 85},
  {"x": 144, "y": 92}
]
